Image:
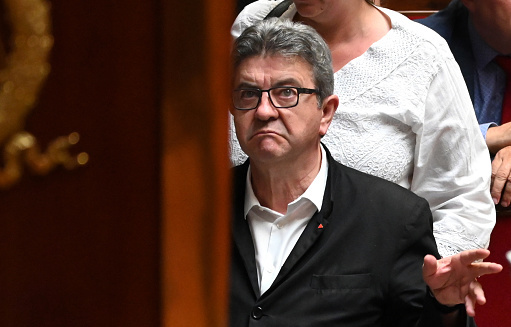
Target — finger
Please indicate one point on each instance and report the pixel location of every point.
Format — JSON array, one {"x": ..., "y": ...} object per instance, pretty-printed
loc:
[
  {"x": 476, "y": 289},
  {"x": 470, "y": 306},
  {"x": 499, "y": 176},
  {"x": 505, "y": 199},
  {"x": 469, "y": 256},
  {"x": 486, "y": 268},
  {"x": 495, "y": 164},
  {"x": 475, "y": 296},
  {"x": 429, "y": 267},
  {"x": 498, "y": 182}
]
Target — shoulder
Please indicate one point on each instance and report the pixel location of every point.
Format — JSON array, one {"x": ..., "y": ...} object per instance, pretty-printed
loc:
[
  {"x": 251, "y": 14},
  {"x": 383, "y": 205},
  {"x": 418, "y": 32},
  {"x": 444, "y": 21},
  {"x": 366, "y": 186},
  {"x": 408, "y": 51},
  {"x": 417, "y": 41}
]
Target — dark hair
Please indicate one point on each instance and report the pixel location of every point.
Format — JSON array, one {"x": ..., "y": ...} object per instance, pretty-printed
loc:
[{"x": 274, "y": 37}]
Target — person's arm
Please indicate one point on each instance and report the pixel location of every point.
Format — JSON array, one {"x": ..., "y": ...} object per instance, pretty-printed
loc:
[
  {"x": 498, "y": 137},
  {"x": 453, "y": 281},
  {"x": 409, "y": 303},
  {"x": 427, "y": 290},
  {"x": 427, "y": 293},
  {"x": 484, "y": 128},
  {"x": 452, "y": 167}
]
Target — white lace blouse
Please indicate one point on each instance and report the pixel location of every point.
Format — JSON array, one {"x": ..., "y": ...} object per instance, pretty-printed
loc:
[{"x": 405, "y": 115}]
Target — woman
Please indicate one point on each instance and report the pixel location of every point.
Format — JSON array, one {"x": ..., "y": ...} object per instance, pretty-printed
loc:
[{"x": 404, "y": 114}]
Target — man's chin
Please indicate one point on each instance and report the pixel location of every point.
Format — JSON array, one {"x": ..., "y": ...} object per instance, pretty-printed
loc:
[{"x": 269, "y": 156}]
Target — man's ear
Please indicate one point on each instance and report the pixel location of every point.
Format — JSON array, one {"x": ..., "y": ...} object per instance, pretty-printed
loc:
[{"x": 330, "y": 105}]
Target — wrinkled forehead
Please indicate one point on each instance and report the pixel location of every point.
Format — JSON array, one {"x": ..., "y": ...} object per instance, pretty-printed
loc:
[{"x": 272, "y": 69}]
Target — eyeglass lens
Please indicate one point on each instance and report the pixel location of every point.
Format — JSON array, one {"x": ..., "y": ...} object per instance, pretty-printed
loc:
[{"x": 280, "y": 97}]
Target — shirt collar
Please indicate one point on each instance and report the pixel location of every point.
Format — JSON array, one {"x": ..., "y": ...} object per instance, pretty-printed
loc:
[
  {"x": 483, "y": 53},
  {"x": 314, "y": 192}
]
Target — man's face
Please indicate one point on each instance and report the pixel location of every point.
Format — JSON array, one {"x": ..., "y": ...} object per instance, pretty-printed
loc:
[
  {"x": 269, "y": 134},
  {"x": 492, "y": 19}
]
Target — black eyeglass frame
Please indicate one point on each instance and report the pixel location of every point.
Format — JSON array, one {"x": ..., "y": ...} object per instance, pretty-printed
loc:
[{"x": 299, "y": 90}]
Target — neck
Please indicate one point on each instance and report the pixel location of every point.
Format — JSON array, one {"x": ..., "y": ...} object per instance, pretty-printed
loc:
[
  {"x": 277, "y": 185},
  {"x": 349, "y": 29},
  {"x": 494, "y": 39},
  {"x": 498, "y": 39}
]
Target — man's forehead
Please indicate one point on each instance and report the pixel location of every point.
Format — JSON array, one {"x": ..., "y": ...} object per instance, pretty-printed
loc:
[{"x": 275, "y": 67}]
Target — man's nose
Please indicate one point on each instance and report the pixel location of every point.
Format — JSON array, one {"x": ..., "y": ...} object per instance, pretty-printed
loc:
[{"x": 266, "y": 110}]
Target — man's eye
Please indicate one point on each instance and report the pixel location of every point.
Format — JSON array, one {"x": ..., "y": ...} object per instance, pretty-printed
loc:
[
  {"x": 286, "y": 92},
  {"x": 249, "y": 94}
]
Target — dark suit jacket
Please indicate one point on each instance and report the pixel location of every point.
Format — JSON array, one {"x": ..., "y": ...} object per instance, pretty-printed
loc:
[
  {"x": 452, "y": 24},
  {"x": 357, "y": 263}
]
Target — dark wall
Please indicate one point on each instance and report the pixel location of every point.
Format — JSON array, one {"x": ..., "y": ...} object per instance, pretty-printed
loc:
[
  {"x": 393, "y": 4},
  {"x": 81, "y": 248}
]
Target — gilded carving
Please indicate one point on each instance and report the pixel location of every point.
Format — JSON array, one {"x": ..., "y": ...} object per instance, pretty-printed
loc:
[{"x": 25, "y": 45}]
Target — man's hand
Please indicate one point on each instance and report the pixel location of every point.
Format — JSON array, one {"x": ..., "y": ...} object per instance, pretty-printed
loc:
[
  {"x": 498, "y": 137},
  {"x": 453, "y": 280},
  {"x": 500, "y": 174},
  {"x": 498, "y": 140}
]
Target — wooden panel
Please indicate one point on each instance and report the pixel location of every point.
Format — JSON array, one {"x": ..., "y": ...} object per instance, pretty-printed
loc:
[
  {"x": 415, "y": 9},
  {"x": 415, "y": 4},
  {"x": 195, "y": 163},
  {"x": 392, "y": 4},
  {"x": 81, "y": 248}
]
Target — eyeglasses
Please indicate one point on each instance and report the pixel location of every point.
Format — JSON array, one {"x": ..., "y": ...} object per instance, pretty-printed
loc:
[{"x": 280, "y": 97}]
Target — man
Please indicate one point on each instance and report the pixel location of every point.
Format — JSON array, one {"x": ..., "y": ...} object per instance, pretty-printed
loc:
[
  {"x": 316, "y": 243},
  {"x": 478, "y": 31}
]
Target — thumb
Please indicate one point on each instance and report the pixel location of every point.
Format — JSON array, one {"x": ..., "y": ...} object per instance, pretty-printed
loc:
[{"x": 429, "y": 268}]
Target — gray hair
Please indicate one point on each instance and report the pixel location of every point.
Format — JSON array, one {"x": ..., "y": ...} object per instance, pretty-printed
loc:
[{"x": 272, "y": 37}]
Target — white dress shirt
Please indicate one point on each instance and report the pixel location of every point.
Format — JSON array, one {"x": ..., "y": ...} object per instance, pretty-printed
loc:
[{"x": 275, "y": 234}]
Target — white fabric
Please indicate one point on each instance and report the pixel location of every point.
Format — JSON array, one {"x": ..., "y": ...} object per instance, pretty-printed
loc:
[
  {"x": 275, "y": 234},
  {"x": 405, "y": 115}
]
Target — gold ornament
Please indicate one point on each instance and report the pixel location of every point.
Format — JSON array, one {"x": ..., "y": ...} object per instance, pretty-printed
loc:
[{"x": 24, "y": 67}]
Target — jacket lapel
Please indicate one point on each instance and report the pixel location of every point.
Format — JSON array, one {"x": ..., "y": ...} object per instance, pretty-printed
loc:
[{"x": 242, "y": 237}]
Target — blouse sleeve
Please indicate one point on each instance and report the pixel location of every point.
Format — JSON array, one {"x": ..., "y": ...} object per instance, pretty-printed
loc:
[{"x": 452, "y": 164}]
